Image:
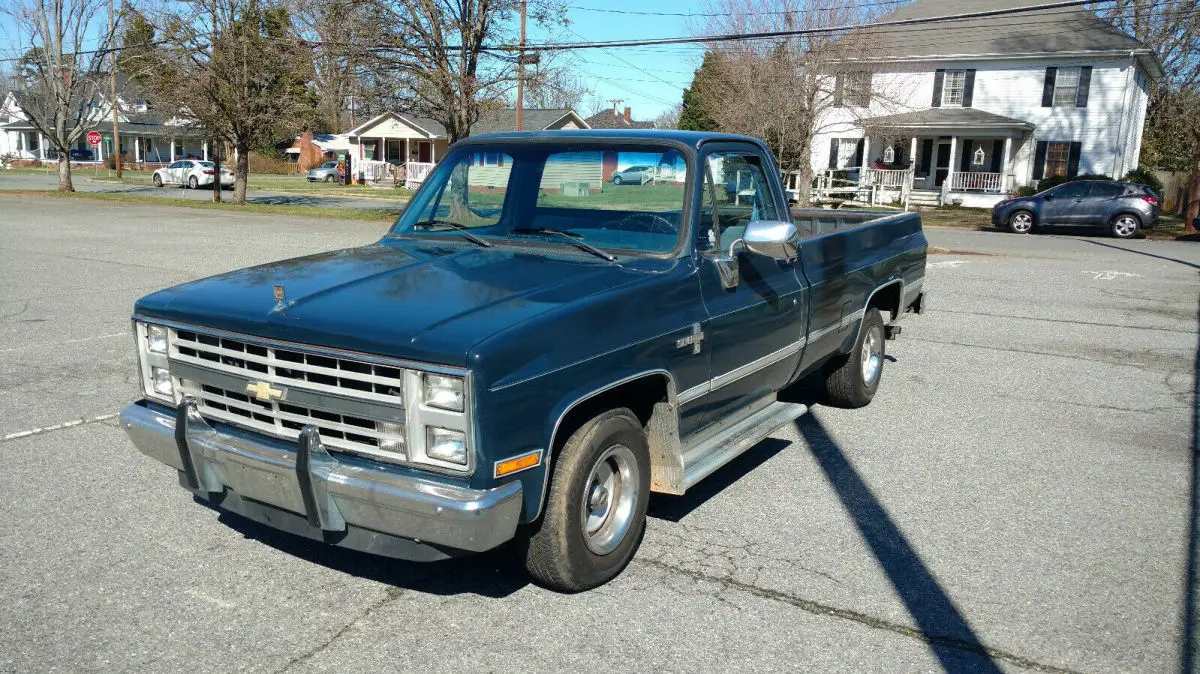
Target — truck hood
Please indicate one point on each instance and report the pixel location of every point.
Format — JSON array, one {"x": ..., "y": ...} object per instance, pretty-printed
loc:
[{"x": 413, "y": 299}]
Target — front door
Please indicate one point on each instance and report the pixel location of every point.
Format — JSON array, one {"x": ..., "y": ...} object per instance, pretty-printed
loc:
[
  {"x": 943, "y": 164},
  {"x": 755, "y": 329},
  {"x": 424, "y": 151}
]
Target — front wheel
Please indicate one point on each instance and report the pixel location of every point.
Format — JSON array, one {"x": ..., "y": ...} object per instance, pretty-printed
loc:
[
  {"x": 854, "y": 382},
  {"x": 616, "y": 180},
  {"x": 1021, "y": 222},
  {"x": 596, "y": 508},
  {"x": 1125, "y": 226},
  {"x": 328, "y": 179},
  {"x": 157, "y": 180}
]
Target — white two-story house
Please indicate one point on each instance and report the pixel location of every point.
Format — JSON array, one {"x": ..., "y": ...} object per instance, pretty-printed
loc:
[{"x": 966, "y": 111}]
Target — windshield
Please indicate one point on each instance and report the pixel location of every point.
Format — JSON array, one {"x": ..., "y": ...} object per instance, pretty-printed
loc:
[{"x": 539, "y": 191}]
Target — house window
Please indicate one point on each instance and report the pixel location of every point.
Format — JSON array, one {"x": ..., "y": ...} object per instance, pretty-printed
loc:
[
  {"x": 847, "y": 152},
  {"x": 1056, "y": 159},
  {"x": 1066, "y": 87},
  {"x": 952, "y": 87},
  {"x": 491, "y": 158},
  {"x": 858, "y": 90}
]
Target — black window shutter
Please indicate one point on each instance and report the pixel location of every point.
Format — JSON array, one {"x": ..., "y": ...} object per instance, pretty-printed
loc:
[
  {"x": 858, "y": 154},
  {"x": 839, "y": 89},
  {"x": 939, "y": 76},
  {"x": 833, "y": 153},
  {"x": 1039, "y": 159},
  {"x": 969, "y": 89},
  {"x": 926, "y": 155},
  {"x": 1048, "y": 87},
  {"x": 964, "y": 164},
  {"x": 997, "y": 155},
  {"x": 1073, "y": 159},
  {"x": 1085, "y": 84}
]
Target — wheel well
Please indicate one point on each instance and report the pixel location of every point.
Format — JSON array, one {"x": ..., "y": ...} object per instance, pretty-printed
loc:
[
  {"x": 639, "y": 395},
  {"x": 1120, "y": 213},
  {"x": 887, "y": 299}
]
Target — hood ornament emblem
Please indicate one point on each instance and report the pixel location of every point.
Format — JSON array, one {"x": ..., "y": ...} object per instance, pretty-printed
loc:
[{"x": 279, "y": 296}]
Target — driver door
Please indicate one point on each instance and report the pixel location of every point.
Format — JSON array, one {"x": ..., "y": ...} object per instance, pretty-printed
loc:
[
  {"x": 755, "y": 329},
  {"x": 1066, "y": 205}
]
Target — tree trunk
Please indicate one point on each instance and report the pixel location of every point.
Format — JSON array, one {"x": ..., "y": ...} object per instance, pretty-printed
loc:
[
  {"x": 242, "y": 174},
  {"x": 1192, "y": 211},
  {"x": 64, "y": 173},
  {"x": 804, "y": 185}
]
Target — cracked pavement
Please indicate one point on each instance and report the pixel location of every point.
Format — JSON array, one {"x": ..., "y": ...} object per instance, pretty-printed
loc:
[{"x": 1016, "y": 498}]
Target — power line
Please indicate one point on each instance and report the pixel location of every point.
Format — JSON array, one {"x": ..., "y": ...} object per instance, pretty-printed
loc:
[{"x": 703, "y": 14}]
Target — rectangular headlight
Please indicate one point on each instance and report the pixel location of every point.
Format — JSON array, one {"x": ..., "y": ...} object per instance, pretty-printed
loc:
[
  {"x": 442, "y": 392},
  {"x": 156, "y": 338},
  {"x": 446, "y": 445},
  {"x": 160, "y": 380}
]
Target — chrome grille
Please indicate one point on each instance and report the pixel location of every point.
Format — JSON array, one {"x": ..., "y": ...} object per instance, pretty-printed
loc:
[
  {"x": 354, "y": 434},
  {"x": 290, "y": 367}
]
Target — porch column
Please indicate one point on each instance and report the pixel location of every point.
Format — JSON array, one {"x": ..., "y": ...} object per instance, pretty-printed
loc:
[
  {"x": 950, "y": 168},
  {"x": 204, "y": 150},
  {"x": 1004, "y": 164},
  {"x": 866, "y": 160},
  {"x": 912, "y": 153},
  {"x": 172, "y": 149},
  {"x": 407, "y": 153},
  {"x": 41, "y": 146},
  {"x": 100, "y": 151}
]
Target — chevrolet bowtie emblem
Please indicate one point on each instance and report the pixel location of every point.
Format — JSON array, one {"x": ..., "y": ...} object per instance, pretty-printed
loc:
[{"x": 261, "y": 390}]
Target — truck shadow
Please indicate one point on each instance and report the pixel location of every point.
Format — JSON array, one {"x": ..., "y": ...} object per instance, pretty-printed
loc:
[
  {"x": 496, "y": 573},
  {"x": 1189, "y": 659}
]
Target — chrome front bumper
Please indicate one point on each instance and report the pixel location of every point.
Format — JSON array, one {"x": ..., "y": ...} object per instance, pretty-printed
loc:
[{"x": 308, "y": 491}]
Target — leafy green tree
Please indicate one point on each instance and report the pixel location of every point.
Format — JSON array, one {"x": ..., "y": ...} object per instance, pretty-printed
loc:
[{"x": 692, "y": 115}]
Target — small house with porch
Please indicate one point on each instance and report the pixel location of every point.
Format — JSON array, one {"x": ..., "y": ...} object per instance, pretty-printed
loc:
[{"x": 988, "y": 105}]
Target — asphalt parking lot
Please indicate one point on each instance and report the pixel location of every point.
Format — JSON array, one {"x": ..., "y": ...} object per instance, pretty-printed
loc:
[{"x": 1016, "y": 498}]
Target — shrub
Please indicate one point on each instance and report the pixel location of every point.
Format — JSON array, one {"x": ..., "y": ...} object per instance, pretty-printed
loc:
[
  {"x": 1144, "y": 176},
  {"x": 1026, "y": 191},
  {"x": 261, "y": 163}
]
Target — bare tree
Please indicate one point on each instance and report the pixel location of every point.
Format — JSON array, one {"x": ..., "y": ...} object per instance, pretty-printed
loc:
[
  {"x": 232, "y": 67},
  {"x": 341, "y": 67},
  {"x": 60, "y": 77},
  {"x": 783, "y": 90},
  {"x": 435, "y": 60},
  {"x": 669, "y": 118},
  {"x": 555, "y": 88}
]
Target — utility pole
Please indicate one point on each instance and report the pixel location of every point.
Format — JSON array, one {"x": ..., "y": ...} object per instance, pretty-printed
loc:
[
  {"x": 215, "y": 142},
  {"x": 615, "y": 102},
  {"x": 521, "y": 68},
  {"x": 112, "y": 80}
]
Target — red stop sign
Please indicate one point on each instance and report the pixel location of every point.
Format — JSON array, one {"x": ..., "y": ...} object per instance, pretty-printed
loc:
[{"x": 93, "y": 137}]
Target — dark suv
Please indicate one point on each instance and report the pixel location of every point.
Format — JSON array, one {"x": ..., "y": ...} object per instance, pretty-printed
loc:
[{"x": 1123, "y": 208}]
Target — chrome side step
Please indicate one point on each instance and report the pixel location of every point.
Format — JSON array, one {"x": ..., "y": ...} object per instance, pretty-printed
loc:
[{"x": 710, "y": 452}]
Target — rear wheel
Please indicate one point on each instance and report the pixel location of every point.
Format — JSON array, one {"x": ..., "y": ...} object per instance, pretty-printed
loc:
[
  {"x": 1021, "y": 222},
  {"x": 596, "y": 507},
  {"x": 1126, "y": 226},
  {"x": 854, "y": 382}
]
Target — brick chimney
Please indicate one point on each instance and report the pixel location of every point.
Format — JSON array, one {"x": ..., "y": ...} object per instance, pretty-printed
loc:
[{"x": 627, "y": 119}]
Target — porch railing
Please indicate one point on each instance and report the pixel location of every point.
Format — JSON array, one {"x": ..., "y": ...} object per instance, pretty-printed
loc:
[
  {"x": 976, "y": 182},
  {"x": 415, "y": 173},
  {"x": 886, "y": 178}
]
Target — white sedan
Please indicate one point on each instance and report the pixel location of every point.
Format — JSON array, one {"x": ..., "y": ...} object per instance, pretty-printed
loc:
[{"x": 192, "y": 173}]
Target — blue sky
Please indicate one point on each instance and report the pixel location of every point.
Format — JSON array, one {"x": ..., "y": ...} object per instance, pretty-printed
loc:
[{"x": 647, "y": 79}]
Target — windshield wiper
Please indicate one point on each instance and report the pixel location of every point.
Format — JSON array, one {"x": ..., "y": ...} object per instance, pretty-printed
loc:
[
  {"x": 466, "y": 231},
  {"x": 573, "y": 238}
]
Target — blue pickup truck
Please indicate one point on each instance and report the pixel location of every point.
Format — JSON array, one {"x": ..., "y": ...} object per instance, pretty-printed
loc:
[{"x": 527, "y": 354}]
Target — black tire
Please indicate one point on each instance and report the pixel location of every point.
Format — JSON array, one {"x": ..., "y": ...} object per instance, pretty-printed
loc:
[
  {"x": 616, "y": 180},
  {"x": 193, "y": 183},
  {"x": 848, "y": 385},
  {"x": 1020, "y": 222},
  {"x": 328, "y": 179},
  {"x": 556, "y": 553},
  {"x": 157, "y": 180},
  {"x": 1125, "y": 226}
]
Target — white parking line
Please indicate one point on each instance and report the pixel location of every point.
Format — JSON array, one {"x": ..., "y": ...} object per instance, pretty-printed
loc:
[{"x": 57, "y": 427}]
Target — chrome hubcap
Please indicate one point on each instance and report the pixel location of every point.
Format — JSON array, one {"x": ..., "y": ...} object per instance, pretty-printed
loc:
[
  {"x": 609, "y": 498},
  {"x": 872, "y": 356},
  {"x": 1021, "y": 222},
  {"x": 1126, "y": 227}
]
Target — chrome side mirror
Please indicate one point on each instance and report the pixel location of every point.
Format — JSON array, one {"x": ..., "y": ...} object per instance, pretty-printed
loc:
[{"x": 772, "y": 238}]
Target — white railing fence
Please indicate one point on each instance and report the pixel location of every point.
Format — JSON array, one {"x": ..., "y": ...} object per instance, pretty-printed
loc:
[
  {"x": 886, "y": 178},
  {"x": 976, "y": 181},
  {"x": 415, "y": 173}
]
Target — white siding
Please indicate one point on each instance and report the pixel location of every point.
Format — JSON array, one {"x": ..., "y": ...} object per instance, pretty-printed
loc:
[{"x": 1109, "y": 128}]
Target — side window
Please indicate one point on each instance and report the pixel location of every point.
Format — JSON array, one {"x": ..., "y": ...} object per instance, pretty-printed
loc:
[
  {"x": 1106, "y": 191},
  {"x": 739, "y": 194},
  {"x": 1074, "y": 190}
]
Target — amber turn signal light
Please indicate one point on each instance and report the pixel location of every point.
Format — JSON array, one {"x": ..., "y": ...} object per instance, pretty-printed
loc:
[{"x": 518, "y": 463}]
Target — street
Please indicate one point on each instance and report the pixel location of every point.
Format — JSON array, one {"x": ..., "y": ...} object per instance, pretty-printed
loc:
[{"x": 1016, "y": 498}]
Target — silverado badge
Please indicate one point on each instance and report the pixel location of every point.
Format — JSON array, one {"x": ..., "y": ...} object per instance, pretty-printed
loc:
[{"x": 262, "y": 390}]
